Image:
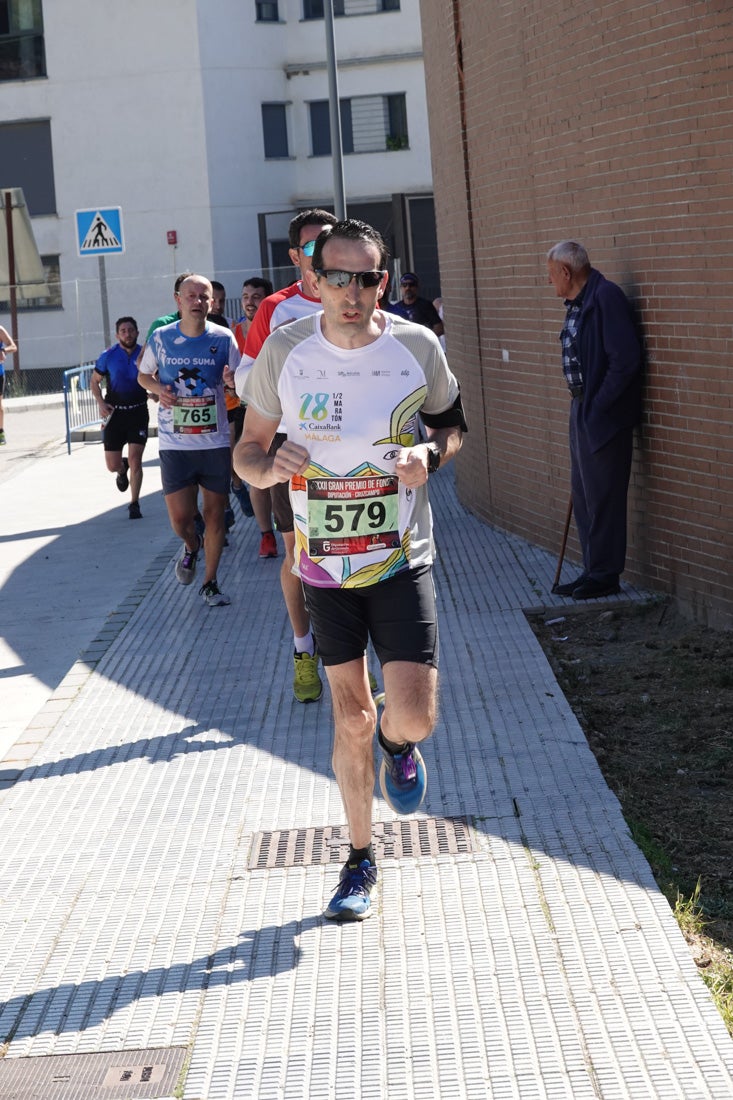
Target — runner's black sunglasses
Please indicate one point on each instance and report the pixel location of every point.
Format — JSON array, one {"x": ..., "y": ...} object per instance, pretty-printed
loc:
[{"x": 341, "y": 279}]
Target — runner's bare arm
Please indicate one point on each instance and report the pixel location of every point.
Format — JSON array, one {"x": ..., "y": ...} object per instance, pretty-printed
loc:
[
  {"x": 8, "y": 341},
  {"x": 166, "y": 394},
  {"x": 412, "y": 465},
  {"x": 251, "y": 460},
  {"x": 104, "y": 408}
]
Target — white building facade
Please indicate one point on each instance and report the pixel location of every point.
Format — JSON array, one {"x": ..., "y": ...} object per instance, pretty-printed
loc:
[{"x": 207, "y": 120}]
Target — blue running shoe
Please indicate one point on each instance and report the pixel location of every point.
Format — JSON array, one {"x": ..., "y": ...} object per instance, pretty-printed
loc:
[
  {"x": 351, "y": 900},
  {"x": 403, "y": 778}
]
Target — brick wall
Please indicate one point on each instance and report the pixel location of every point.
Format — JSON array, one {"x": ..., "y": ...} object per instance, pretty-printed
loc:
[{"x": 611, "y": 125}]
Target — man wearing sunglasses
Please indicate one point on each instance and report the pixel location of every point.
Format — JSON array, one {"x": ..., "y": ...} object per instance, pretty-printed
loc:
[
  {"x": 280, "y": 309},
  {"x": 413, "y": 307},
  {"x": 351, "y": 383}
]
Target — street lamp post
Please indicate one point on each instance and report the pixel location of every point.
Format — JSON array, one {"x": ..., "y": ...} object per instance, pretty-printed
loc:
[{"x": 339, "y": 192}]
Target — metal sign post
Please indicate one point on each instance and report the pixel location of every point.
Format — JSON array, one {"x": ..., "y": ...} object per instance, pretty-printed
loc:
[
  {"x": 105, "y": 302},
  {"x": 99, "y": 233},
  {"x": 11, "y": 282}
]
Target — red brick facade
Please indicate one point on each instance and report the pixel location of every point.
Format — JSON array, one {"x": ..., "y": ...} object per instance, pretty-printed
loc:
[{"x": 611, "y": 124}]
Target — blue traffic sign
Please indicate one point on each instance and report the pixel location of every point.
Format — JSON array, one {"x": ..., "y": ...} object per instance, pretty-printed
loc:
[{"x": 99, "y": 231}]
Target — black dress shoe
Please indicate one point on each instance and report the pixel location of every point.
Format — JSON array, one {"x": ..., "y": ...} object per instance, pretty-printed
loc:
[
  {"x": 595, "y": 590},
  {"x": 569, "y": 588}
]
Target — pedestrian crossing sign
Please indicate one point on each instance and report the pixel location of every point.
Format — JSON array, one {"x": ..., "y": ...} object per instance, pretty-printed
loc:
[{"x": 99, "y": 231}]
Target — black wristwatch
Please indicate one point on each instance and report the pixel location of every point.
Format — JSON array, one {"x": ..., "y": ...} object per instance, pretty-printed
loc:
[{"x": 433, "y": 458}]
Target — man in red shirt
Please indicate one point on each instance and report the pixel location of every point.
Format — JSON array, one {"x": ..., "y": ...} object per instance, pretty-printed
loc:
[{"x": 279, "y": 309}]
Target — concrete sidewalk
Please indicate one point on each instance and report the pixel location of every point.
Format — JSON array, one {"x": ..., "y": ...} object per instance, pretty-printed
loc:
[
  {"x": 69, "y": 554},
  {"x": 170, "y": 830}
]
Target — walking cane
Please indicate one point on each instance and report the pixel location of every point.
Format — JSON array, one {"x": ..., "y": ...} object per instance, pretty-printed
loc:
[{"x": 568, "y": 517}]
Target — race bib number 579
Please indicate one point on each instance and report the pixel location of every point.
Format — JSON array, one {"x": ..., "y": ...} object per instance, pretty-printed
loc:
[{"x": 352, "y": 515}]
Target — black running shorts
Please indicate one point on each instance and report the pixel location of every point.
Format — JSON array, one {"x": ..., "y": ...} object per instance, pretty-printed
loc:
[
  {"x": 236, "y": 416},
  {"x": 126, "y": 426},
  {"x": 209, "y": 467},
  {"x": 399, "y": 615},
  {"x": 282, "y": 509}
]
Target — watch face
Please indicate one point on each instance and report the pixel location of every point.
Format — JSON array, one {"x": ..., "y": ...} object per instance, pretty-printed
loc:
[{"x": 433, "y": 459}]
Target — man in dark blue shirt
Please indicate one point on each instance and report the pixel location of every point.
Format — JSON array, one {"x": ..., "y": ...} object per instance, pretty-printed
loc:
[
  {"x": 413, "y": 307},
  {"x": 123, "y": 410},
  {"x": 602, "y": 364}
]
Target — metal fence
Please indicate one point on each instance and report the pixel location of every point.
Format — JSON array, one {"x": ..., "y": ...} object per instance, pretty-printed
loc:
[
  {"x": 25, "y": 383},
  {"x": 80, "y": 407}
]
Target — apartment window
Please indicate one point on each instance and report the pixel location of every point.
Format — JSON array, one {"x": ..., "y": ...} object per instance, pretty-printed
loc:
[
  {"x": 22, "y": 52},
  {"x": 275, "y": 130},
  {"x": 27, "y": 162},
  {"x": 369, "y": 124},
  {"x": 313, "y": 9},
  {"x": 267, "y": 12},
  {"x": 396, "y": 122},
  {"x": 52, "y": 277},
  {"x": 320, "y": 117}
]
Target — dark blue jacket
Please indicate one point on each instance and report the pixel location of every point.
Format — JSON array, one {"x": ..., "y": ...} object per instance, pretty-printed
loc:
[{"x": 611, "y": 361}]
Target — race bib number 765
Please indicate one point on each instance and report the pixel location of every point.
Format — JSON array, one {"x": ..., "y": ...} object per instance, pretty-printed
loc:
[{"x": 195, "y": 415}]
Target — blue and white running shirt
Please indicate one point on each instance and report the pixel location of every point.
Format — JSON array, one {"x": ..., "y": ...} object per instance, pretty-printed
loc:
[{"x": 194, "y": 366}]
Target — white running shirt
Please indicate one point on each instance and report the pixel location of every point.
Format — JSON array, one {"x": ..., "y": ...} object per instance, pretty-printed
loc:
[{"x": 354, "y": 410}]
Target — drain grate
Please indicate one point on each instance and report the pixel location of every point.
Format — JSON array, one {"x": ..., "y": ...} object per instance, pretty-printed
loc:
[
  {"x": 121, "y": 1075},
  {"x": 430, "y": 836}
]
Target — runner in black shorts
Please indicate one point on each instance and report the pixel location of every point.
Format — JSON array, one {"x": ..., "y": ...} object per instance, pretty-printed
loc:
[
  {"x": 350, "y": 384},
  {"x": 123, "y": 410}
]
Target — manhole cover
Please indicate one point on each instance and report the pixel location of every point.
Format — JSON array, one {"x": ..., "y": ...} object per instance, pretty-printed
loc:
[
  {"x": 430, "y": 836},
  {"x": 121, "y": 1075}
]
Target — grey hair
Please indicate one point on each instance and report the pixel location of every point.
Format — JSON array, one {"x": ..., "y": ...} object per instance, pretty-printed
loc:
[{"x": 571, "y": 254}]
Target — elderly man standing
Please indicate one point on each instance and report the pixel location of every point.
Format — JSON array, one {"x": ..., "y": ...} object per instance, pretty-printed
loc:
[{"x": 602, "y": 361}]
